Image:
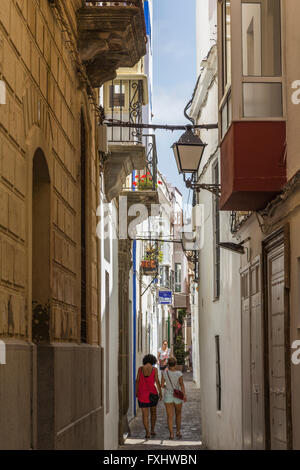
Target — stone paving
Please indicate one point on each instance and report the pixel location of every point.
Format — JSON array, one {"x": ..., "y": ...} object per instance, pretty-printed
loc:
[{"x": 190, "y": 427}]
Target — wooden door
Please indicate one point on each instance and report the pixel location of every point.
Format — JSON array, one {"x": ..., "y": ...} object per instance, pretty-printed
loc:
[
  {"x": 256, "y": 365},
  {"x": 252, "y": 357},
  {"x": 277, "y": 339},
  {"x": 246, "y": 376}
]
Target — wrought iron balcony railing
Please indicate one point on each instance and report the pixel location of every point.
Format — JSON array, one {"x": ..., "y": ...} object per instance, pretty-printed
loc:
[
  {"x": 237, "y": 219},
  {"x": 113, "y": 4},
  {"x": 110, "y": 35},
  {"x": 126, "y": 98},
  {"x": 146, "y": 179},
  {"x": 124, "y": 3}
]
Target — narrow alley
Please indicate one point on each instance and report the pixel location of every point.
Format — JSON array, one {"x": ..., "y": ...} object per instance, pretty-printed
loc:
[
  {"x": 190, "y": 427},
  {"x": 149, "y": 224}
]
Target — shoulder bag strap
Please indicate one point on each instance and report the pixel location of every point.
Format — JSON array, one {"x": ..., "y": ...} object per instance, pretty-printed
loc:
[{"x": 170, "y": 380}]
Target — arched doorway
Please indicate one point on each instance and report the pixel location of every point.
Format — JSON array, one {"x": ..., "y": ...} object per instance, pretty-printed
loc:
[
  {"x": 40, "y": 248},
  {"x": 41, "y": 230}
]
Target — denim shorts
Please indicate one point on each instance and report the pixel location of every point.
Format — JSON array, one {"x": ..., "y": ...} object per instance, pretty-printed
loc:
[{"x": 169, "y": 398}]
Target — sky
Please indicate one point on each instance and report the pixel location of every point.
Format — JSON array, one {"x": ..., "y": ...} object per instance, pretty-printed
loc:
[{"x": 174, "y": 68}]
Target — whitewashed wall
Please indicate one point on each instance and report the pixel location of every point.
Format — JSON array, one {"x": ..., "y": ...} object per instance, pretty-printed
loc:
[
  {"x": 221, "y": 429},
  {"x": 110, "y": 265}
]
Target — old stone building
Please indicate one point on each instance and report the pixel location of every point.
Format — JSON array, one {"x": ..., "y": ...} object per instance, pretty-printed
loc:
[{"x": 54, "y": 55}]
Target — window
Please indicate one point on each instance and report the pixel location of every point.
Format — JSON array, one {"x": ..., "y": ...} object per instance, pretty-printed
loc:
[
  {"x": 172, "y": 280},
  {"x": 218, "y": 374},
  {"x": 226, "y": 43},
  {"x": 177, "y": 277},
  {"x": 165, "y": 277},
  {"x": 116, "y": 96},
  {"x": 250, "y": 38},
  {"x": 261, "y": 46},
  {"x": 262, "y": 100},
  {"x": 261, "y": 40},
  {"x": 226, "y": 115},
  {"x": 226, "y": 105},
  {"x": 216, "y": 228}
]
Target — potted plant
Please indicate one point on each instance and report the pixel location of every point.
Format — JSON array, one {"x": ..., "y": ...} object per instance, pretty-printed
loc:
[
  {"x": 179, "y": 352},
  {"x": 145, "y": 183}
]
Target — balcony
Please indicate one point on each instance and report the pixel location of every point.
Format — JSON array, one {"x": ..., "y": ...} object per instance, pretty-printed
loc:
[
  {"x": 251, "y": 103},
  {"x": 110, "y": 35},
  {"x": 253, "y": 169},
  {"x": 129, "y": 148},
  {"x": 141, "y": 187}
]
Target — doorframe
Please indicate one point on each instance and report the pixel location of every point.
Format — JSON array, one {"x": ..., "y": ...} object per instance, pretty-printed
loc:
[{"x": 274, "y": 240}]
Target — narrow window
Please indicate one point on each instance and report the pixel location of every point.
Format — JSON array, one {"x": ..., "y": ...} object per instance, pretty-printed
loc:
[
  {"x": 226, "y": 43},
  {"x": 226, "y": 109},
  {"x": 116, "y": 96},
  {"x": 218, "y": 374},
  {"x": 177, "y": 277},
  {"x": 217, "y": 251}
]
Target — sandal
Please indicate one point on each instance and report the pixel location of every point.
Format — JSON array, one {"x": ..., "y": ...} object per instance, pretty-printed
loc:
[
  {"x": 179, "y": 435},
  {"x": 148, "y": 436},
  {"x": 171, "y": 438},
  {"x": 153, "y": 433}
]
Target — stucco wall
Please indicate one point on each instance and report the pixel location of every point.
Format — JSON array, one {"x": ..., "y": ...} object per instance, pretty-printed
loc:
[{"x": 44, "y": 105}]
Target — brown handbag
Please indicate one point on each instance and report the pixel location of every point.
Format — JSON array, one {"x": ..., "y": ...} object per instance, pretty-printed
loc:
[{"x": 176, "y": 393}]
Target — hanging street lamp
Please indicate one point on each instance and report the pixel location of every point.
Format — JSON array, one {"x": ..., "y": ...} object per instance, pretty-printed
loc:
[{"x": 188, "y": 153}]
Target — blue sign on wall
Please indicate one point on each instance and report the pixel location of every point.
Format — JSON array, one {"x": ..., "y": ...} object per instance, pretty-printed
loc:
[
  {"x": 147, "y": 19},
  {"x": 165, "y": 297}
]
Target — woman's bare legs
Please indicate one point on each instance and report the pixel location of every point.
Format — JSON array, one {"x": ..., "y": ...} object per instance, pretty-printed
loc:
[
  {"x": 153, "y": 419},
  {"x": 145, "y": 415},
  {"x": 178, "y": 409},
  {"x": 170, "y": 413}
]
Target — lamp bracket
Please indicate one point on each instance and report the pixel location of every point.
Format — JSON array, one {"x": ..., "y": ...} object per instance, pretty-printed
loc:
[{"x": 212, "y": 188}]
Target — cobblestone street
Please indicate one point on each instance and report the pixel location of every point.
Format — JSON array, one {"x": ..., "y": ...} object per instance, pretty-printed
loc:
[{"x": 190, "y": 428}]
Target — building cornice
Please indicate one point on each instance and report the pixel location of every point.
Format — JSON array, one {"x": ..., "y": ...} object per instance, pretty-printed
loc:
[{"x": 205, "y": 81}]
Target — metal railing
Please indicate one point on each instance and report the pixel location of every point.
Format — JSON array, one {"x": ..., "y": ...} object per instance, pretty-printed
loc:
[
  {"x": 237, "y": 219},
  {"x": 126, "y": 105},
  {"x": 134, "y": 3},
  {"x": 125, "y": 3},
  {"x": 146, "y": 179}
]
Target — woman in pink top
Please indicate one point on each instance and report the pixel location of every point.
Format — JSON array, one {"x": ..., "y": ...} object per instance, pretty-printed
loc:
[{"x": 146, "y": 392}]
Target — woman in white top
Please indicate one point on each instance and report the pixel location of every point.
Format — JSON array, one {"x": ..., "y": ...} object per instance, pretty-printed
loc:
[
  {"x": 172, "y": 380},
  {"x": 163, "y": 355}
]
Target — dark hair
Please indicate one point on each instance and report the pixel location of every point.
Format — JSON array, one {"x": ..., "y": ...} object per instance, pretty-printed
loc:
[
  {"x": 165, "y": 341},
  {"x": 149, "y": 359},
  {"x": 172, "y": 362}
]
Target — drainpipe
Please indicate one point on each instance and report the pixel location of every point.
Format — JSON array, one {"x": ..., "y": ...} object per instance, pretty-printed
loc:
[{"x": 134, "y": 311}]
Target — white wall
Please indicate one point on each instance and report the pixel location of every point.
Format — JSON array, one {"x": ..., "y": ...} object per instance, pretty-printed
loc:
[
  {"x": 195, "y": 335},
  {"x": 206, "y": 30},
  {"x": 109, "y": 264},
  {"x": 221, "y": 429}
]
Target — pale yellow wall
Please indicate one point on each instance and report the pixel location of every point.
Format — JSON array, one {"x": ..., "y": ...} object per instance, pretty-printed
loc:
[{"x": 37, "y": 65}]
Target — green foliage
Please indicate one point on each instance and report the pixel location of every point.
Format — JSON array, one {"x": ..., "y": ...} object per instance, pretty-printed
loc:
[
  {"x": 179, "y": 350},
  {"x": 154, "y": 254},
  {"x": 181, "y": 315}
]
